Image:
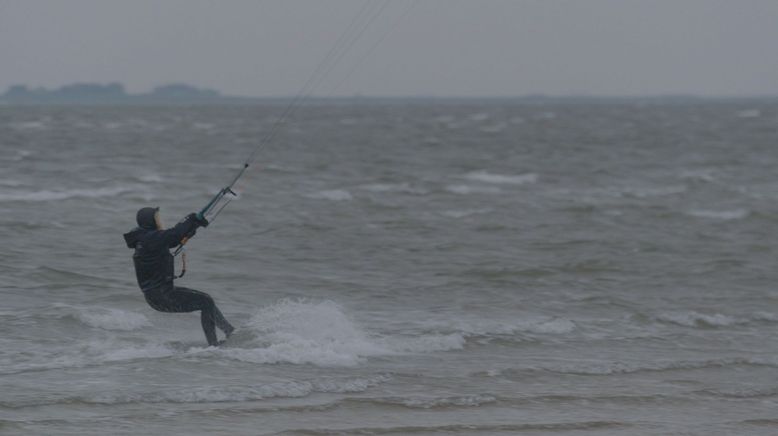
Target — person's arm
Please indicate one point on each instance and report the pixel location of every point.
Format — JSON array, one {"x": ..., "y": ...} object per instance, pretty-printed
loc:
[{"x": 186, "y": 228}]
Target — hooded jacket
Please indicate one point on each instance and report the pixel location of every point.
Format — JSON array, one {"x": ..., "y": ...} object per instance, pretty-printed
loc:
[{"x": 154, "y": 266}]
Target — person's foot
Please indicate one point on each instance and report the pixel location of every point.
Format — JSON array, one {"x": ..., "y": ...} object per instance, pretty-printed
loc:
[{"x": 229, "y": 331}]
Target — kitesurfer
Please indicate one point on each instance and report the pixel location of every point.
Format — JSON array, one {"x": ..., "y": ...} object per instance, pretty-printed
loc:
[{"x": 154, "y": 269}]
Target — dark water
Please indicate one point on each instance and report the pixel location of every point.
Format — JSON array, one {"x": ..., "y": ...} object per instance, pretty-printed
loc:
[{"x": 398, "y": 268}]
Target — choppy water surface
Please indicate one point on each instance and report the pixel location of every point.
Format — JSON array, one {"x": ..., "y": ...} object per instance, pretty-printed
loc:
[{"x": 398, "y": 268}]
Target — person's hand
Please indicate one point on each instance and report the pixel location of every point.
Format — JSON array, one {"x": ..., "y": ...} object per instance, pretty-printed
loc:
[{"x": 201, "y": 222}]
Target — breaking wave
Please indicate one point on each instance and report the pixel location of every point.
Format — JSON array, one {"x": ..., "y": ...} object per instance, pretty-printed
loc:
[
  {"x": 320, "y": 333},
  {"x": 696, "y": 319}
]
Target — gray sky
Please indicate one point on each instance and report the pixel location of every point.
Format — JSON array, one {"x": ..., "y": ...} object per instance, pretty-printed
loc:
[{"x": 441, "y": 47}]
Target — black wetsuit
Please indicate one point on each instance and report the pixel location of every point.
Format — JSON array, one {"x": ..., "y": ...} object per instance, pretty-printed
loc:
[{"x": 154, "y": 269}]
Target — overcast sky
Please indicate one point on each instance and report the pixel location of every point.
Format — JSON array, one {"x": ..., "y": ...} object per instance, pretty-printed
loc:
[{"x": 439, "y": 47}]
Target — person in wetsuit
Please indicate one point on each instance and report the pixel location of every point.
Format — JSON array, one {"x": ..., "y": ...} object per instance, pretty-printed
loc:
[{"x": 154, "y": 269}]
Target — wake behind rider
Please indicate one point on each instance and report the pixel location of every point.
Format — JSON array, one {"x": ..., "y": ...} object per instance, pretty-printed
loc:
[{"x": 154, "y": 269}]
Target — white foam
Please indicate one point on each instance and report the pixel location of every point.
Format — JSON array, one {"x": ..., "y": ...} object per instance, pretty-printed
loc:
[
  {"x": 47, "y": 195},
  {"x": 724, "y": 215},
  {"x": 334, "y": 195},
  {"x": 111, "y": 319},
  {"x": 765, "y": 316},
  {"x": 307, "y": 332},
  {"x": 405, "y": 188},
  {"x": 481, "y": 116},
  {"x": 518, "y": 179},
  {"x": 320, "y": 333},
  {"x": 468, "y": 189},
  {"x": 696, "y": 319},
  {"x": 11, "y": 183}
]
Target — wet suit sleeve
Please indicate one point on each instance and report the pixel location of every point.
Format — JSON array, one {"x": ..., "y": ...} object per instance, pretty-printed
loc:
[{"x": 186, "y": 228}]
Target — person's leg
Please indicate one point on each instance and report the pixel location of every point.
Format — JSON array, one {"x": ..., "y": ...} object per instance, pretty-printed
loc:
[
  {"x": 181, "y": 299},
  {"x": 222, "y": 323}
]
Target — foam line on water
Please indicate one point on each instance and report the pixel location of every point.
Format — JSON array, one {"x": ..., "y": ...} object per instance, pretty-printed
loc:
[{"x": 56, "y": 195}]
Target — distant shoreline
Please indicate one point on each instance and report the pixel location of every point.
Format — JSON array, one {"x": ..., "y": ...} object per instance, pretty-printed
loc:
[
  {"x": 183, "y": 94},
  {"x": 324, "y": 101}
]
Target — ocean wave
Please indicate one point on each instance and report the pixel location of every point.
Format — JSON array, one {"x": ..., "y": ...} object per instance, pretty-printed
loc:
[
  {"x": 463, "y": 213},
  {"x": 20, "y": 155},
  {"x": 517, "y": 179},
  {"x": 83, "y": 354},
  {"x": 494, "y": 128},
  {"x": 48, "y": 195},
  {"x": 468, "y": 189},
  {"x": 404, "y": 188},
  {"x": 724, "y": 215},
  {"x": 30, "y": 125},
  {"x": 111, "y": 319},
  {"x": 220, "y": 393},
  {"x": 622, "y": 367},
  {"x": 749, "y": 113},
  {"x": 426, "y": 343},
  {"x": 649, "y": 191},
  {"x": 553, "y": 427},
  {"x": 104, "y": 318},
  {"x": 333, "y": 194},
  {"x": 696, "y": 319},
  {"x": 11, "y": 183},
  {"x": 716, "y": 320},
  {"x": 742, "y": 393},
  {"x": 490, "y": 328},
  {"x": 320, "y": 333},
  {"x": 150, "y": 178},
  {"x": 432, "y": 402}
]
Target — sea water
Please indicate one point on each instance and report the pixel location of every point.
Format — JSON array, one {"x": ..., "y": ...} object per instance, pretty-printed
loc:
[{"x": 397, "y": 267}]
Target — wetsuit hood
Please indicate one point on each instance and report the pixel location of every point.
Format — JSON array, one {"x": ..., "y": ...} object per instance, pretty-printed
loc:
[
  {"x": 145, "y": 218},
  {"x": 133, "y": 236}
]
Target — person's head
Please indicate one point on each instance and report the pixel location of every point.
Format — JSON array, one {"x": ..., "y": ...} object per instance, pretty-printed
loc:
[{"x": 148, "y": 218}]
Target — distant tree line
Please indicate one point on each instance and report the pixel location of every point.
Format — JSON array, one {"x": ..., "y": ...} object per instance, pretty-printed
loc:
[{"x": 108, "y": 93}]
